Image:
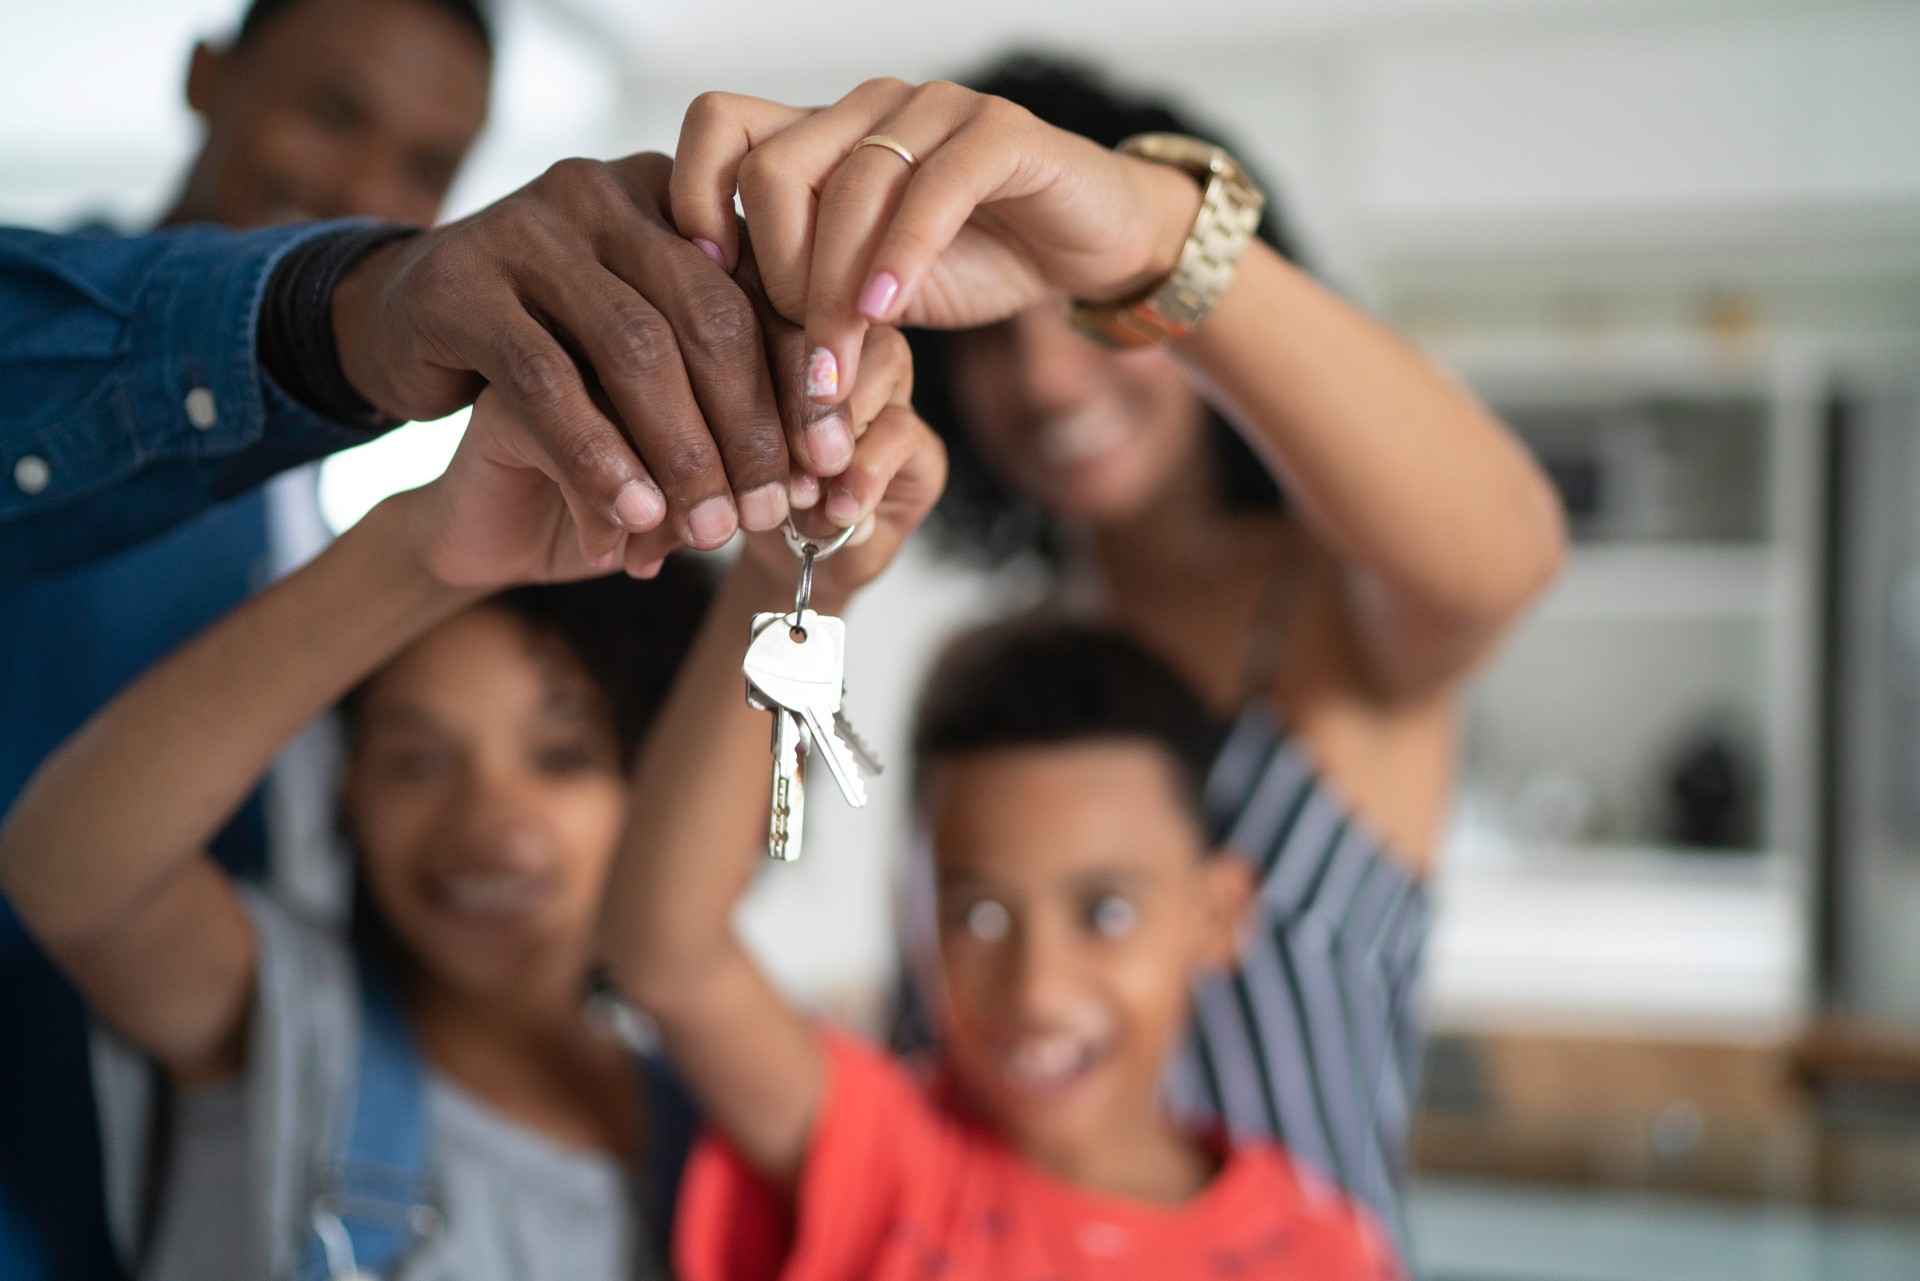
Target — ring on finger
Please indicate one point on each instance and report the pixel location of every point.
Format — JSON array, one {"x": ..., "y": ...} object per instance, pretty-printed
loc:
[{"x": 892, "y": 144}]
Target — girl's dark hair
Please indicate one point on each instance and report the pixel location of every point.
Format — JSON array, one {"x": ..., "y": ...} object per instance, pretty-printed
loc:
[
  {"x": 979, "y": 517},
  {"x": 470, "y": 14},
  {"x": 1042, "y": 681},
  {"x": 628, "y": 636}
]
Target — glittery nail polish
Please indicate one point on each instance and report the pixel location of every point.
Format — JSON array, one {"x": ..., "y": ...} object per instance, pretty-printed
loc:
[{"x": 823, "y": 374}]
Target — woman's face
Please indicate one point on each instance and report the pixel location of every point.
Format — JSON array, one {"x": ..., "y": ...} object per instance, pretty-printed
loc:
[
  {"x": 1088, "y": 434},
  {"x": 486, "y": 798}
]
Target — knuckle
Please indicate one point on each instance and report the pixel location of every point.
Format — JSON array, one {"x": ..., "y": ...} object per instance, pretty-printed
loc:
[
  {"x": 684, "y": 461},
  {"x": 712, "y": 107},
  {"x": 589, "y": 459},
  {"x": 723, "y": 322},
  {"x": 886, "y": 88},
  {"x": 577, "y": 181},
  {"x": 538, "y": 375},
  {"x": 637, "y": 345}
]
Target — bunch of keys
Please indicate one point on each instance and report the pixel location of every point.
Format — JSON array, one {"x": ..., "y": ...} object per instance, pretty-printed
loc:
[{"x": 796, "y": 668}]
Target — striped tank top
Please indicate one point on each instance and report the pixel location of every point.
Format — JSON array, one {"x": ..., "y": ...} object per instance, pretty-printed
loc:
[{"x": 1315, "y": 1039}]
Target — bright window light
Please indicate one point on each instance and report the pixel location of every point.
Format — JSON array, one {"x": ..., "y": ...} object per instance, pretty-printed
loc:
[{"x": 351, "y": 482}]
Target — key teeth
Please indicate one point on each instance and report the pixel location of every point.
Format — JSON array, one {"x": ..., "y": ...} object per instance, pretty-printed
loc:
[{"x": 861, "y": 748}]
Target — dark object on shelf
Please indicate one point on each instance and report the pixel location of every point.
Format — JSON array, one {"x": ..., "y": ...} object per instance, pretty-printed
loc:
[{"x": 1711, "y": 797}]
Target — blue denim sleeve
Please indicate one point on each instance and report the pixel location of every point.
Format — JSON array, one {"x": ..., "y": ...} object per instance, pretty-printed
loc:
[{"x": 131, "y": 396}]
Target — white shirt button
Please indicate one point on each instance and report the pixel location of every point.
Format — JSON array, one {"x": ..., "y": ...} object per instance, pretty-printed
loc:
[
  {"x": 202, "y": 412},
  {"x": 32, "y": 474}
]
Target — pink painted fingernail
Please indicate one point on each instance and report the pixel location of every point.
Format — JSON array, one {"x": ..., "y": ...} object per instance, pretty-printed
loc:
[
  {"x": 711, "y": 523},
  {"x": 876, "y": 300},
  {"x": 639, "y": 507},
  {"x": 830, "y": 443},
  {"x": 763, "y": 508},
  {"x": 712, "y": 251},
  {"x": 823, "y": 374}
]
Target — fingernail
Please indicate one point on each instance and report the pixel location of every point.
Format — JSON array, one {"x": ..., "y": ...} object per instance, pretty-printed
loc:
[
  {"x": 763, "y": 508},
  {"x": 865, "y": 531},
  {"x": 803, "y": 489},
  {"x": 842, "y": 507},
  {"x": 639, "y": 507},
  {"x": 829, "y": 441},
  {"x": 876, "y": 300},
  {"x": 712, "y": 251},
  {"x": 711, "y": 523},
  {"x": 823, "y": 373}
]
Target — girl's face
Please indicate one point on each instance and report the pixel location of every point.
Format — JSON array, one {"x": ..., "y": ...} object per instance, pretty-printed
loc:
[
  {"x": 1088, "y": 434},
  {"x": 486, "y": 797}
]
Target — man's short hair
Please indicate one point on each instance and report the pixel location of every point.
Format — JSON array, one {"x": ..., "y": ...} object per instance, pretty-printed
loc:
[
  {"x": 471, "y": 14},
  {"x": 1039, "y": 682}
]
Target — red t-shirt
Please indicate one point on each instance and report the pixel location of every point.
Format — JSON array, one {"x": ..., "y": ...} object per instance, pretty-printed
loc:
[{"x": 894, "y": 1188}]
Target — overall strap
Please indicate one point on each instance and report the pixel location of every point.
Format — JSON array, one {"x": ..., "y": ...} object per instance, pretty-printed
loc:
[{"x": 375, "y": 1202}]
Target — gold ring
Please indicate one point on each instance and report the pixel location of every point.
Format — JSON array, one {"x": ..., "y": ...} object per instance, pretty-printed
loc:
[{"x": 894, "y": 145}]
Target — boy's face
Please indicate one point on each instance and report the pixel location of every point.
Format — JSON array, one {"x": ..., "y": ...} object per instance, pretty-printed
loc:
[{"x": 1076, "y": 905}]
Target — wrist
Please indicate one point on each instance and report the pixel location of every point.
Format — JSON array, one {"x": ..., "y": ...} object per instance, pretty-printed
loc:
[
  {"x": 1170, "y": 198},
  {"x": 352, "y": 297},
  {"x": 400, "y": 530}
]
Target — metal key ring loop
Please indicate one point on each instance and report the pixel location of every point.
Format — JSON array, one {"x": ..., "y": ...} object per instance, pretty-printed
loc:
[{"x": 821, "y": 548}]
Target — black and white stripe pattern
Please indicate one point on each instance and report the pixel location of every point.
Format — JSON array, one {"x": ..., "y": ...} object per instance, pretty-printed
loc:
[{"x": 1314, "y": 1039}]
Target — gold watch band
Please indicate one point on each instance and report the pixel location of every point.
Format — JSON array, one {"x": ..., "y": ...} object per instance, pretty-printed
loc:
[{"x": 1230, "y": 209}]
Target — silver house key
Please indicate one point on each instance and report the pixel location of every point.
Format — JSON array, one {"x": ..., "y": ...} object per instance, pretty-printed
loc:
[
  {"x": 795, "y": 669},
  {"x": 797, "y": 664}
]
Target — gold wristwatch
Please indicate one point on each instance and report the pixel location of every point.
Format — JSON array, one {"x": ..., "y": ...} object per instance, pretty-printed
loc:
[{"x": 1229, "y": 212}]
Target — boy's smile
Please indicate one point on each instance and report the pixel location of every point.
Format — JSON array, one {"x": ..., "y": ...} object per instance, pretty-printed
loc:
[{"x": 1077, "y": 902}]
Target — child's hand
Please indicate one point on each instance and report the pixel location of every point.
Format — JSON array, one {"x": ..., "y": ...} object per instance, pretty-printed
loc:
[
  {"x": 497, "y": 516},
  {"x": 898, "y": 470}
]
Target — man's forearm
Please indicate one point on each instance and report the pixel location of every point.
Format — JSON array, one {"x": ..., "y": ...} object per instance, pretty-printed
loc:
[{"x": 135, "y": 397}]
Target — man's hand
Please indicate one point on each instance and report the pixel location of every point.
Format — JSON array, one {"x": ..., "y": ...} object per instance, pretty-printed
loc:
[{"x": 638, "y": 366}]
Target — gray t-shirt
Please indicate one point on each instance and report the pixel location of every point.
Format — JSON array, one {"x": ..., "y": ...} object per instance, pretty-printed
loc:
[{"x": 219, "y": 1181}]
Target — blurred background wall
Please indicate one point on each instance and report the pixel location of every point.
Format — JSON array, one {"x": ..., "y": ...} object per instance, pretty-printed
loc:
[{"x": 1677, "y": 244}]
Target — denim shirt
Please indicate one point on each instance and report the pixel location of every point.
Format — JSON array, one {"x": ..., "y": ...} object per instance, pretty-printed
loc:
[{"x": 131, "y": 397}]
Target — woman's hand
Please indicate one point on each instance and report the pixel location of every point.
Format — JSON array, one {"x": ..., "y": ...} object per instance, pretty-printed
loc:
[{"x": 1001, "y": 211}]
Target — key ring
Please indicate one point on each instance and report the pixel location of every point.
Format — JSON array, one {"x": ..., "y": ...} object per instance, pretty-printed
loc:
[{"x": 809, "y": 550}]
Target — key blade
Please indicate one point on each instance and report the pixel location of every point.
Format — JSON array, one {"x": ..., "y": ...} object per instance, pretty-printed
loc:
[
  {"x": 787, "y": 813},
  {"x": 840, "y": 763},
  {"x": 862, "y": 751}
]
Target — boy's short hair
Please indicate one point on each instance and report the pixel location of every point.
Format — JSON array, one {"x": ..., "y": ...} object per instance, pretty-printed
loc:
[{"x": 1039, "y": 682}]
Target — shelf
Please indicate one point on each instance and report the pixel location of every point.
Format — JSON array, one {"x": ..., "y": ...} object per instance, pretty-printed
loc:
[
  {"x": 1633, "y": 936},
  {"x": 1666, "y": 581}
]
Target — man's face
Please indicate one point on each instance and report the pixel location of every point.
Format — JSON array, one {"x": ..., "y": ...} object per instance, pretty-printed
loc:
[
  {"x": 337, "y": 108},
  {"x": 1077, "y": 902}
]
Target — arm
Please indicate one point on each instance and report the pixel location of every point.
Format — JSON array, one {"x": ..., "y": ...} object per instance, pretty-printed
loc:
[
  {"x": 104, "y": 340},
  {"x": 699, "y": 822},
  {"x": 103, "y": 854},
  {"x": 1444, "y": 525}
]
